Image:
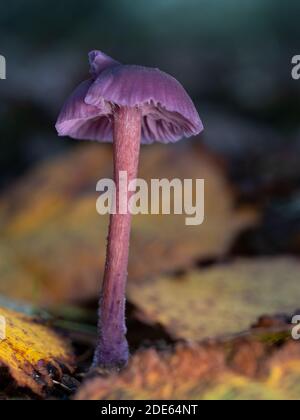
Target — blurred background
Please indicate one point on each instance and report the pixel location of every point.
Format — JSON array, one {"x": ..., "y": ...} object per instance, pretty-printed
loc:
[{"x": 234, "y": 59}]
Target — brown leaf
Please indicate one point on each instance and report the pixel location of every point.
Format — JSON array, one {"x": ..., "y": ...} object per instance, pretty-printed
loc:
[
  {"x": 221, "y": 300},
  {"x": 54, "y": 239},
  {"x": 34, "y": 354},
  {"x": 153, "y": 375},
  {"x": 202, "y": 372}
]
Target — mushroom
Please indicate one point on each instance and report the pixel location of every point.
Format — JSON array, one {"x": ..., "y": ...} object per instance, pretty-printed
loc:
[{"x": 127, "y": 105}]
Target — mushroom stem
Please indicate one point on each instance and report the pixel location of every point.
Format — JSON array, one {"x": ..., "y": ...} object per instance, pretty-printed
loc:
[{"x": 112, "y": 347}]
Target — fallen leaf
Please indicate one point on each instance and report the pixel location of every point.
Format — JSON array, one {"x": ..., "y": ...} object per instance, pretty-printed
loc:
[
  {"x": 33, "y": 354},
  {"x": 53, "y": 241},
  {"x": 221, "y": 300},
  {"x": 154, "y": 375},
  {"x": 200, "y": 372},
  {"x": 279, "y": 379}
]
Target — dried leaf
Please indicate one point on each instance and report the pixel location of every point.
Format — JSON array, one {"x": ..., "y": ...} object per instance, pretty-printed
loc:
[
  {"x": 53, "y": 243},
  {"x": 200, "y": 373},
  {"x": 280, "y": 380},
  {"x": 153, "y": 375},
  {"x": 219, "y": 300},
  {"x": 34, "y": 354}
]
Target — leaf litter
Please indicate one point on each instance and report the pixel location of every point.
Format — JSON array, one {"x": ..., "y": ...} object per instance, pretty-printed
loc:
[
  {"x": 53, "y": 241},
  {"x": 53, "y": 250}
]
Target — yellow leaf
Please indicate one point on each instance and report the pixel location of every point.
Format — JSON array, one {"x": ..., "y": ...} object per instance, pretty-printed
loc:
[
  {"x": 221, "y": 300},
  {"x": 33, "y": 353}
]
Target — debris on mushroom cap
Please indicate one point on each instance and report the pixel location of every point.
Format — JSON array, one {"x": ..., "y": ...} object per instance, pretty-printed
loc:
[{"x": 168, "y": 112}]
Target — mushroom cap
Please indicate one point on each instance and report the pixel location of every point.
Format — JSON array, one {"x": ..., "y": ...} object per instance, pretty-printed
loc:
[{"x": 168, "y": 113}]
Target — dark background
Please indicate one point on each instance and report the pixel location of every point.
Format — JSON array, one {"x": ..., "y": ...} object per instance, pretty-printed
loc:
[{"x": 233, "y": 57}]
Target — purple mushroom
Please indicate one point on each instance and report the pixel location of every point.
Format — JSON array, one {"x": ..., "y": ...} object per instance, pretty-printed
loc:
[{"x": 128, "y": 105}]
